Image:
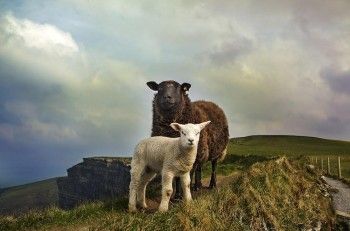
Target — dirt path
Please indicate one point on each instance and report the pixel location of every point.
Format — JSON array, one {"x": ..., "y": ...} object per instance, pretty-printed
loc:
[
  {"x": 220, "y": 180},
  {"x": 340, "y": 197}
]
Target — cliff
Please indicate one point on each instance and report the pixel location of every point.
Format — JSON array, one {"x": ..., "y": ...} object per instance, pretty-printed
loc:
[{"x": 96, "y": 178}]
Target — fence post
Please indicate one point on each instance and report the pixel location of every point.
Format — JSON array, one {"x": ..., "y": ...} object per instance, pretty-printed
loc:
[
  {"x": 322, "y": 164},
  {"x": 328, "y": 166},
  {"x": 339, "y": 167},
  {"x": 316, "y": 161}
]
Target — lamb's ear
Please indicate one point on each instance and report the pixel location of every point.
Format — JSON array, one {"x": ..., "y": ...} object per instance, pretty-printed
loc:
[
  {"x": 185, "y": 86},
  {"x": 202, "y": 125},
  {"x": 175, "y": 126},
  {"x": 153, "y": 85}
]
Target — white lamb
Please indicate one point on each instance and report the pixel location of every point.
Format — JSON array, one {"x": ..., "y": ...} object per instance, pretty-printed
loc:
[{"x": 171, "y": 157}]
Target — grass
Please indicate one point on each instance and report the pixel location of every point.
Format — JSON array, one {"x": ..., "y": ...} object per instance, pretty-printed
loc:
[
  {"x": 333, "y": 161},
  {"x": 278, "y": 145},
  {"x": 275, "y": 194},
  {"x": 264, "y": 194},
  {"x": 287, "y": 145}
]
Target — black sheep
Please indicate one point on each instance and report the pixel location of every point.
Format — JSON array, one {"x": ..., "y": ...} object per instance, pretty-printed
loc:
[{"x": 172, "y": 104}]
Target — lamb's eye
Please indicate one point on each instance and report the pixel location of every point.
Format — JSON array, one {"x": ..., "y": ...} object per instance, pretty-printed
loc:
[
  {"x": 197, "y": 133},
  {"x": 183, "y": 133}
]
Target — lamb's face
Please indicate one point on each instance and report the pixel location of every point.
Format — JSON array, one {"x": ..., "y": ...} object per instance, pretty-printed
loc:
[
  {"x": 189, "y": 133},
  {"x": 169, "y": 93}
]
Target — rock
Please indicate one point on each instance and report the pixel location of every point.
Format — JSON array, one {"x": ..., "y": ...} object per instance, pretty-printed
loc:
[
  {"x": 96, "y": 178},
  {"x": 310, "y": 168}
]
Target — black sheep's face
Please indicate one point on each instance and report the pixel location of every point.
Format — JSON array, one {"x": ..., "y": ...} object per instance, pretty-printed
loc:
[{"x": 169, "y": 93}]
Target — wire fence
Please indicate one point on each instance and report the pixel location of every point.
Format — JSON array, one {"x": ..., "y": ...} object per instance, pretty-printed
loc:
[{"x": 329, "y": 165}]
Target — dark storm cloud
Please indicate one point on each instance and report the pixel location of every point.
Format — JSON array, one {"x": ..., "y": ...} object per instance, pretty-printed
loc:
[{"x": 338, "y": 81}]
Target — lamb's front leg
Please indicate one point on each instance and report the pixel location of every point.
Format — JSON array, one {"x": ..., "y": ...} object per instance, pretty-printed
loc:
[
  {"x": 186, "y": 184},
  {"x": 167, "y": 190}
]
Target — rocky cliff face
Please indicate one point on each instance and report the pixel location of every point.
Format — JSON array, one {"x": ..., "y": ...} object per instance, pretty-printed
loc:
[{"x": 96, "y": 178}]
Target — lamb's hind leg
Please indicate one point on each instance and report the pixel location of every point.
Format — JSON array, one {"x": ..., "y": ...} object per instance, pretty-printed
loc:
[
  {"x": 146, "y": 177},
  {"x": 213, "y": 174},
  {"x": 133, "y": 188}
]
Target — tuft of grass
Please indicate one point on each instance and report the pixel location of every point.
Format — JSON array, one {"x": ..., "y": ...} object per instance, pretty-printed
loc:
[{"x": 273, "y": 194}]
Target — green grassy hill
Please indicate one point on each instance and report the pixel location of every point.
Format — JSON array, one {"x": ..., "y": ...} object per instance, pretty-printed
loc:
[
  {"x": 287, "y": 145},
  {"x": 22, "y": 198},
  {"x": 277, "y": 145}
]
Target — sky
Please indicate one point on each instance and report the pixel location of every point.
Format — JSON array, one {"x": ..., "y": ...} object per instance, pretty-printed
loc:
[{"x": 73, "y": 73}]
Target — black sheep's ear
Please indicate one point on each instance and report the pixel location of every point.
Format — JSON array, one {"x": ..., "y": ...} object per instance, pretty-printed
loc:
[
  {"x": 185, "y": 86},
  {"x": 153, "y": 85}
]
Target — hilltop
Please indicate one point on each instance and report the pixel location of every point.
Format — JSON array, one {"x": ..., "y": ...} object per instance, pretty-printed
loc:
[{"x": 287, "y": 145}]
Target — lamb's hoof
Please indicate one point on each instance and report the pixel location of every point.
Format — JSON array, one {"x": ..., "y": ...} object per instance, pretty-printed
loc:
[
  {"x": 132, "y": 209},
  {"x": 162, "y": 210},
  {"x": 142, "y": 205}
]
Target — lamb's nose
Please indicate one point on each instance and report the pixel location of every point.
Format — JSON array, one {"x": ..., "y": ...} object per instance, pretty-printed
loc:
[{"x": 191, "y": 141}]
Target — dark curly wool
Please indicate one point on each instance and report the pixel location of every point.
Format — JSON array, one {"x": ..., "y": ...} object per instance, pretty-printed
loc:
[{"x": 213, "y": 139}]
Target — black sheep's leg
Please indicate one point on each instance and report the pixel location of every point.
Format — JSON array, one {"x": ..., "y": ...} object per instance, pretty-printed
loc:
[
  {"x": 198, "y": 178},
  {"x": 192, "y": 173},
  {"x": 213, "y": 174},
  {"x": 178, "y": 191}
]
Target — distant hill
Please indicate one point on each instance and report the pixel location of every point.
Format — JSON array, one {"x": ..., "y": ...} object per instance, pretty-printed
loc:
[
  {"x": 287, "y": 145},
  {"x": 18, "y": 199}
]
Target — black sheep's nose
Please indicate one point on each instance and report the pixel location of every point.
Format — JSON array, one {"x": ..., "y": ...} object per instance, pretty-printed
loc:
[{"x": 167, "y": 97}]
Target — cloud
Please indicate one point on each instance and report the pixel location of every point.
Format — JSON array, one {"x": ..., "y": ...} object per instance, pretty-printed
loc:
[
  {"x": 30, "y": 128},
  {"x": 44, "y": 37},
  {"x": 337, "y": 80},
  {"x": 73, "y": 73}
]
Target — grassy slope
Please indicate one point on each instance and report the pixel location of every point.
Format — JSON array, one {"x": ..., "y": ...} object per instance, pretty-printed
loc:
[
  {"x": 293, "y": 146},
  {"x": 277, "y": 194},
  {"x": 22, "y": 198},
  {"x": 288, "y": 145}
]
